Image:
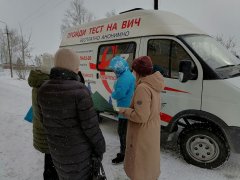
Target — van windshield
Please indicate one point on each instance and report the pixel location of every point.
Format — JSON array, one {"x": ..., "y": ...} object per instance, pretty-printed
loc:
[{"x": 221, "y": 60}]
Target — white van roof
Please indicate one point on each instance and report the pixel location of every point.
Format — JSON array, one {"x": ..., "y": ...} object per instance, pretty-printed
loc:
[{"x": 129, "y": 25}]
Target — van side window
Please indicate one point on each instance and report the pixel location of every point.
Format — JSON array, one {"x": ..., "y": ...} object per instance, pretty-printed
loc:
[
  {"x": 108, "y": 51},
  {"x": 166, "y": 56},
  {"x": 177, "y": 54},
  {"x": 159, "y": 51}
]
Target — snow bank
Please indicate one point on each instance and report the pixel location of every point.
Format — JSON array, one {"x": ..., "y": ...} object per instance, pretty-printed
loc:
[{"x": 20, "y": 161}]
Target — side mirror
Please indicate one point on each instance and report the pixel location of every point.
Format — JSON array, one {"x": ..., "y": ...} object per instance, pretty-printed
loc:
[{"x": 185, "y": 71}]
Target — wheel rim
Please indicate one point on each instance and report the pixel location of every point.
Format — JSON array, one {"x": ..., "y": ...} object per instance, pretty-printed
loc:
[{"x": 202, "y": 148}]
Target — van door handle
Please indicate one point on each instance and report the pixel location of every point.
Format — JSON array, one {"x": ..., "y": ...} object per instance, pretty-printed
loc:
[
  {"x": 163, "y": 105},
  {"x": 97, "y": 75},
  {"x": 163, "y": 91}
]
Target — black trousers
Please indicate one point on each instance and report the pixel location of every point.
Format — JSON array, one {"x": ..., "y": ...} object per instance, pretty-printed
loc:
[
  {"x": 122, "y": 132},
  {"x": 50, "y": 172}
]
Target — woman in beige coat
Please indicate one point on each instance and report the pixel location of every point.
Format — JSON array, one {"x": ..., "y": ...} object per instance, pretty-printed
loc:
[{"x": 142, "y": 158}]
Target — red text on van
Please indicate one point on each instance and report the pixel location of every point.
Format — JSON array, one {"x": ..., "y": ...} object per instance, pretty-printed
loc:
[
  {"x": 131, "y": 23},
  {"x": 81, "y": 32},
  {"x": 85, "y": 58},
  {"x": 95, "y": 30},
  {"x": 112, "y": 27}
]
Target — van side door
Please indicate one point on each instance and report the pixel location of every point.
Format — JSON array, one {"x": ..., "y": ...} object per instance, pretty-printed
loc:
[
  {"x": 128, "y": 49},
  {"x": 166, "y": 54}
]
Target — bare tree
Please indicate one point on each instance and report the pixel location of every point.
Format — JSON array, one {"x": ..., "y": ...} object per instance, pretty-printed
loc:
[
  {"x": 77, "y": 14},
  {"x": 37, "y": 61},
  {"x": 3, "y": 48},
  {"x": 20, "y": 50},
  {"x": 229, "y": 43},
  {"x": 23, "y": 50},
  {"x": 13, "y": 43},
  {"x": 111, "y": 13},
  {"x": 21, "y": 70}
]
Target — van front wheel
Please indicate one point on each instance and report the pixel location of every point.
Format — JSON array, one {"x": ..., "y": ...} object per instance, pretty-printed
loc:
[{"x": 203, "y": 146}]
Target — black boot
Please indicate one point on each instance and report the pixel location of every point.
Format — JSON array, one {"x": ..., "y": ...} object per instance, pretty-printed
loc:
[{"x": 119, "y": 159}]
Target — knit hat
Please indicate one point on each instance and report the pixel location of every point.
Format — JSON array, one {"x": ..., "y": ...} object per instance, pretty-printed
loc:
[
  {"x": 143, "y": 65},
  {"x": 67, "y": 59},
  {"x": 47, "y": 63}
]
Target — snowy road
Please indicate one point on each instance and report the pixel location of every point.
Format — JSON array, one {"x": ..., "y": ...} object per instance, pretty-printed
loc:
[{"x": 19, "y": 161}]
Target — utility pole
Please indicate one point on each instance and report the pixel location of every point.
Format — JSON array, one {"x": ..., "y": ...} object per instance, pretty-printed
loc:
[
  {"x": 155, "y": 4},
  {"x": 9, "y": 50}
]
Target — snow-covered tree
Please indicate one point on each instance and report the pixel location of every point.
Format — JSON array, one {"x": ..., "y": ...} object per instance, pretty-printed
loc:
[
  {"x": 77, "y": 14},
  {"x": 229, "y": 43}
]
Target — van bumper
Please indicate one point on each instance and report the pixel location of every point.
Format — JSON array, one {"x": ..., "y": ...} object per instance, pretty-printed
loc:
[{"x": 233, "y": 136}]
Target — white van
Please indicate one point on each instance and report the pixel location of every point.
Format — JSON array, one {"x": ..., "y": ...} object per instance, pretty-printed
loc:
[{"x": 202, "y": 93}]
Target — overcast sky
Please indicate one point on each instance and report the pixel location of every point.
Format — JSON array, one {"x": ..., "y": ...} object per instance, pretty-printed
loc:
[{"x": 43, "y": 18}]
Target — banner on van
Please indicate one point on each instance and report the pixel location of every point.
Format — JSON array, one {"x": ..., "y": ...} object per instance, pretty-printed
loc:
[{"x": 107, "y": 31}]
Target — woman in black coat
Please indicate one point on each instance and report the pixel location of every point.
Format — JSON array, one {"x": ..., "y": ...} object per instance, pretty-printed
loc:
[{"x": 70, "y": 120}]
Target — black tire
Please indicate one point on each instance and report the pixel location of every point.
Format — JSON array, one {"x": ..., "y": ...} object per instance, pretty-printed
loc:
[{"x": 203, "y": 145}]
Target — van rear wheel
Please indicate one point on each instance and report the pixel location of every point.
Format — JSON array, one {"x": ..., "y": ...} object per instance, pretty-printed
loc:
[{"x": 203, "y": 146}]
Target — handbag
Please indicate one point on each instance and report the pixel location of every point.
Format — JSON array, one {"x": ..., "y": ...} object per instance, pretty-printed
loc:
[
  {"x": 98, "y": 172},
  {"x": 29, "y": 116}
]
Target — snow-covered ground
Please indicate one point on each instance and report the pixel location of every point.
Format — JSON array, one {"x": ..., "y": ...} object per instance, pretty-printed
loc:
[{"x": 20, "y": 161}]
